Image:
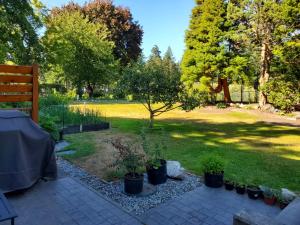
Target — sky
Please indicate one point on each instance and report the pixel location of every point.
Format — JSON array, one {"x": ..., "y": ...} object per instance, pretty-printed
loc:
[{"x": 164, "y": 21}]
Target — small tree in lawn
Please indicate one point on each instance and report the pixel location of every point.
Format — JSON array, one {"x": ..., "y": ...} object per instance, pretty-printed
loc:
[{"x": 155, "y": 83}]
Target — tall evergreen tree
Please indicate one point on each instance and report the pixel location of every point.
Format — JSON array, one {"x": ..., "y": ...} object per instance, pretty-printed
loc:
[
  {"x": 268, "y": 26},
  {"x": 206, "y": 55}
]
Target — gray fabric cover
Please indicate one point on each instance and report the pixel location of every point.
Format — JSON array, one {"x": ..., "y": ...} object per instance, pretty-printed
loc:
[{"x": 26, "y": 152}]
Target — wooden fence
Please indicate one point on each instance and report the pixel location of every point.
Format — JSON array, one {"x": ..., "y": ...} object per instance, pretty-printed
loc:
[{"x": 20, "y": 84}]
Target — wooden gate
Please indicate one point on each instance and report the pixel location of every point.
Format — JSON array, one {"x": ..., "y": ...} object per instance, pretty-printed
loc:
[{"x": 20, "y": 84}]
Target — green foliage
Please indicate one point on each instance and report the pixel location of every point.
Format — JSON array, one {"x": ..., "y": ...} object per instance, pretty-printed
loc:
[
  {"x": 78, "y": 50},
  {"x": 124, "y": 32},
  {"x": 205, "y": 53},
  {"x": 282, "y": 93},
  {"x": 154, "y": 81},
  {"x": 49, "y": 124},
  {"x": 129, "y": 157},
  {"x": 154, "y": 149},
  {"x": 221, "y": 105},
  {"x": 20, "y": 22},
  {"x": 53, "y": 99},
  {"x": 213, "y": 164}
]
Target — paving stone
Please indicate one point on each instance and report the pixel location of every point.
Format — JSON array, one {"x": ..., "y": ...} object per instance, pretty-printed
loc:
[{"x": 67, "y": 202}]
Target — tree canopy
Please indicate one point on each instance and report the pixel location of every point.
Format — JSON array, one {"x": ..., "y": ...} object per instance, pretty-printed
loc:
[
  {"x": 126, "y": 33},
  {"x": 20, "y": 21},
  {"x": 155, "y": 82},
  {"x": 79, "y": 49}
]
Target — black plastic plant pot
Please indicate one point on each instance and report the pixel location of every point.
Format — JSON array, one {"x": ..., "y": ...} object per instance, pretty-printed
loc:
[
  {"x": 213, "y": 180},
  {"x": 240, "y": 189},
  {"x": 133, "y": 184},
  {"x": 159, "y": 175},
  {"x": 229, "y": 185},
  {"x": 253, "y": 192}
]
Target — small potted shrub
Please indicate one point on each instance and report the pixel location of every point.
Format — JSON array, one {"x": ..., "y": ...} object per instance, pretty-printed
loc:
[
  {"x": 213, "y": 168},
  {"x": 229, "y": 182},
  {"x": 269, "y": 196},
  {"x": 240, "y": 188},
  {"x": 229, "y": 185},
  {"x": 156, "y": 165},
  {"x": 253, "y": 190},
  {"x": 282, "y": 202},
  {"x": 130, "y": 160}
]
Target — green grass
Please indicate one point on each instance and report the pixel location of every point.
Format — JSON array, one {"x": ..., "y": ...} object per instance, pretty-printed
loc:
[{"x": 253, "y": 151}]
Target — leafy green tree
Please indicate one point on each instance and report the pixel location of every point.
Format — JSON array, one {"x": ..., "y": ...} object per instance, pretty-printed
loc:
[
  {"x": 126, "y": 33},
  {"x": 20, "y": 21},
  {"x": 206, "y": 53},
  {"x": 267, "y": 26},
  {"x": 155, "y": 83},
  {"x": 78, "y": 49}
]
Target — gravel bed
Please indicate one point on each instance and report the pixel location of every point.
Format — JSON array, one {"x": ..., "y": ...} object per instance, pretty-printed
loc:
[{"x": 114, "y": 190}]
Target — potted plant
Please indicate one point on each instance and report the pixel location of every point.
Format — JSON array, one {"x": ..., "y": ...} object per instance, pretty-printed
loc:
[
  {"x": 269, "y": 196},
  {"x": 229, "y": 185},
  {"x": 130, "y": 160},
  {"x": 213, "y": 168},
  {"x": 253, "y": 190},
  {"x": 240, "y": 188},
  {"x": 156, "y": 165},
  {"x": 282, "y": 200},
  {"x": 229, "y": 182}
]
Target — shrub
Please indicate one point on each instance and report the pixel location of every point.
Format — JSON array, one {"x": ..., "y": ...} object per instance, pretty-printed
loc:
[
  {"x": 129, "y": 157},
  {"x": 221, "y": 105},
  {"x": 213, "y": 165},
  {"x": 154, "y": 150},
  {"x": 283, "y": 94}
]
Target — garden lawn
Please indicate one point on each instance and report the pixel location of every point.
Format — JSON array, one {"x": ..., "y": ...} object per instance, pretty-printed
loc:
[{"x": 254, "y": 151}]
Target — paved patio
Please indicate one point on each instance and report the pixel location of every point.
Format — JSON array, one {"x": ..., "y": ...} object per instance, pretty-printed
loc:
[{"x": 68, "y": 202}]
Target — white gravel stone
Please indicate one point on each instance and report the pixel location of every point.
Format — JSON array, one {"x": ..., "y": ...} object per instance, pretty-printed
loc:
[{"x": 137, "y": 205}]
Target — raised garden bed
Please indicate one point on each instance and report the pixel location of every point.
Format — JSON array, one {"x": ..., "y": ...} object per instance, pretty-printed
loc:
[{"x": 73, "y": 129}]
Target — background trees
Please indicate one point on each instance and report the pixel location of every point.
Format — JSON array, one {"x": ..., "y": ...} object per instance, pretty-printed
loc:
[
  {"x": 125, "y": 33},
  {"x": 79, "y": 50},
  {"x": 20, "y": 21},
  {"x": 243, "y": 41}
]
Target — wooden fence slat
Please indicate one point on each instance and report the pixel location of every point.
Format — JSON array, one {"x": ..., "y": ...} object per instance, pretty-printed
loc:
[
  {"x": 16, "y": 69},
  {"x": 15, "y": 88},
  {"x": 15, "y": 79},
  {"x": 15, "y": 98},
  {"x": 35, "y": 93}
]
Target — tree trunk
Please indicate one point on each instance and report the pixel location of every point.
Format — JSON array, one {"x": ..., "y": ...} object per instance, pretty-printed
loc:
[
  {"x": 222, "y": 85},
  {"x": 90, "y": 90},
  {"x": 151, "y": 120},
  {"x": 227, "y": 97},
  {"x": 265, "y": 59}
]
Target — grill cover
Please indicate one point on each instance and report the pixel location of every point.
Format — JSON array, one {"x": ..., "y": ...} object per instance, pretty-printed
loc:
[{"x": 26, "y": 152}]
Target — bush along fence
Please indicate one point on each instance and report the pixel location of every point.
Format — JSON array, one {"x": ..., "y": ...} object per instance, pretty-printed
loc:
[{"x": 64, "y": 119}]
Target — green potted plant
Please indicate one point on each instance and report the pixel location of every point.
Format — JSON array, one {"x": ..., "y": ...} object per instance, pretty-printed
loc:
[
  {"x": 229, "y": 182},
  {"x": 213, "y": 168},
  {"x": 282, "y": 200},
  {"x": 130, "y": 160},
  {"x": 269, "y": 196},
  {"x": 240, "y": 187},
  {"x": 156, "y": 165},
  {"x": 253, "y": 190}
]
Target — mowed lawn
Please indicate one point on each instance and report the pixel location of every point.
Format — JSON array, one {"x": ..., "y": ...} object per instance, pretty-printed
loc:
[{"x": 254, "y": 151}]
